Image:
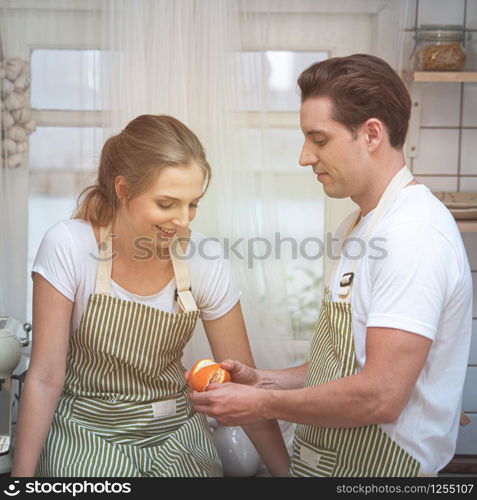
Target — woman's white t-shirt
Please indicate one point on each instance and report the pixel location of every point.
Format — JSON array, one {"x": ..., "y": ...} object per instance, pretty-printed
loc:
[
  {"x": 414, "y": 275},
  {"x": 68, "y": 259}
]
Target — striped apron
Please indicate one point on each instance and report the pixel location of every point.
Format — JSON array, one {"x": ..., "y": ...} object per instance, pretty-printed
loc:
[
  {"x": 359, "y": 451},
  {"x": 124, "y": 409}
]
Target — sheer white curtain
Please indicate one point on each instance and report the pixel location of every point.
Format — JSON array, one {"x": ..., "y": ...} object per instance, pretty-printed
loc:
[
  {"x": 61, "y": 41},
  {"x": 13, "y": 242},
  {"x": 182, "y": 57},
  {"x": 203, "y": 62},
  {"x": 14, "y": 114},
  {"x": 177, "y": 58}
]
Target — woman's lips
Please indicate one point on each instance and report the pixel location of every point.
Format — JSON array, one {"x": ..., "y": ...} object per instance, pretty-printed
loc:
[{"x": 165, "y": 233}]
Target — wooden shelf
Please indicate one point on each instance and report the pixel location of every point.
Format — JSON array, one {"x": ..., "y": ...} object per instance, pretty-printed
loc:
[
  {"x": 440, "y": 76},
  {"x": 462, "y": 464},
  {"x": 467, "y": 226}
]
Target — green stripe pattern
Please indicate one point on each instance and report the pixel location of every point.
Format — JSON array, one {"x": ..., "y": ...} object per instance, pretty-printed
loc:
[
  {"x": 124, "y": 357},
  {"x": 365, "y": 451}
]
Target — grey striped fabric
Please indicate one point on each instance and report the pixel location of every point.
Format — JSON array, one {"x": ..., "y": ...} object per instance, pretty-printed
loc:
[
  {"x": 347, "y": 452},
  {"x": 124, "y": 358}
]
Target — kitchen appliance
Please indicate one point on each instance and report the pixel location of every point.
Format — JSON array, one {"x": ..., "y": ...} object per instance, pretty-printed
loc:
[{"x": 12, "y": 339}]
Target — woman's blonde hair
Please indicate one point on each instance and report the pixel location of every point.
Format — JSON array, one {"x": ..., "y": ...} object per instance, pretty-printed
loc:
[{"x": 148, "y": 144}]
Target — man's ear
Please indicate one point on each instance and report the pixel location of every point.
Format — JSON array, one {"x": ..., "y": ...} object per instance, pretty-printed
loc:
[
  {"x": 122, "y": 189},
  {"x": 374, "y": 131}
]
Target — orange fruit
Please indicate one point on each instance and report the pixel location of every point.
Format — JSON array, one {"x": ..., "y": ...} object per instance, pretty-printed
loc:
[{"x": 205, "y": 372}]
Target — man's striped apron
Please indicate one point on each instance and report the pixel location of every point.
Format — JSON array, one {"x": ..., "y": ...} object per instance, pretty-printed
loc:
[
  {"x": 124, "y": 409},
  {"x": 358, "y": 451}
]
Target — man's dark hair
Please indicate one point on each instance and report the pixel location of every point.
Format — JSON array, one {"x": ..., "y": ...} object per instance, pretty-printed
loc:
[{"x": 360, "y": 87}]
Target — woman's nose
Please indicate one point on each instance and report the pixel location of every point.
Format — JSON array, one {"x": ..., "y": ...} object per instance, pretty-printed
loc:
[{"x": 182, "y": 219}]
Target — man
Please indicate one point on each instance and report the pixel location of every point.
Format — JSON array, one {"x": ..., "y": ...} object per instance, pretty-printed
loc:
[{"x": 381, "y": 393}]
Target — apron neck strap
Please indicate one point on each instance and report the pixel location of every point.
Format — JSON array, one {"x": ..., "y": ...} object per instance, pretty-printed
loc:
[
  {"x": 105, "y": 263},
  {"x": 394, "y": 188},
  {"x": 177, "y": 248}
]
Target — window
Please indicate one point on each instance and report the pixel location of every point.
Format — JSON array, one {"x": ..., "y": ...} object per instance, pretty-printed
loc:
[
  {"x": 278, "y": 71},
  {"x": 68, "y": 111},
  {"x": 66, "y": 79},
  {"x": 272, "y": 90},
  {"x": 65, "y": 148},
  {"x": 294, "y": 40}
]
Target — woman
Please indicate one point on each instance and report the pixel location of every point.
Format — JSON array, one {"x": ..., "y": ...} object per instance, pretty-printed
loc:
[{"x": 114, "y": 303}]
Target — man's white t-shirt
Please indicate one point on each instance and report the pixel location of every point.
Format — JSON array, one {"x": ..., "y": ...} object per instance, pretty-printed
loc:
[
  {"x": 415, "y": 276},
  {"x": 68, "y": 259}
]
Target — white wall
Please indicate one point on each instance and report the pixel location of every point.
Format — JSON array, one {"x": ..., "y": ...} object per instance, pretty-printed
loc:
[{"x": 447, "y": 158}]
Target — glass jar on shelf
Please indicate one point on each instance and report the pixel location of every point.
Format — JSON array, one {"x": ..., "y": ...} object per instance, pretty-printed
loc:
[{"x": 439, "y": 47}]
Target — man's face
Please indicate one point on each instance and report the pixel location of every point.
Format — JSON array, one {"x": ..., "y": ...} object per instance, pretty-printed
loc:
[{"x": 338, "y": 158}]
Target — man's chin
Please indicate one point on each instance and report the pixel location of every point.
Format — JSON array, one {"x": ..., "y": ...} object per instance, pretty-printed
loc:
[{"x": 332, "y": 193}]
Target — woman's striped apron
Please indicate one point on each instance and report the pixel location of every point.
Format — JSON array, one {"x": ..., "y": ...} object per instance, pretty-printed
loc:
[
  {"x": 124, "y": 409},
  {"x": 359, "y": 451}
]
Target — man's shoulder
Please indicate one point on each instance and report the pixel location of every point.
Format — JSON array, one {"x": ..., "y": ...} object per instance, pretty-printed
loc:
[{"x": 417, "y": 207}]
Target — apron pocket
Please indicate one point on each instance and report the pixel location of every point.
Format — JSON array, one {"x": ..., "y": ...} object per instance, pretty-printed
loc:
[
  {"x": 309, "y": 460},
  {"x": 190, "y": 451}
]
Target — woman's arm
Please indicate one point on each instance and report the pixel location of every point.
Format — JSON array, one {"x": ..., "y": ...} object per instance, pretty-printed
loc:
[
  {"x": 228, "y": 339},
  {"x": 45, "y": 376}
]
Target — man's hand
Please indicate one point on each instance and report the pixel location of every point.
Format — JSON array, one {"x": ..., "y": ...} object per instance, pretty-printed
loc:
[
  {"x": 239, "y": 373},
  {"x": 231, "y": 404}
]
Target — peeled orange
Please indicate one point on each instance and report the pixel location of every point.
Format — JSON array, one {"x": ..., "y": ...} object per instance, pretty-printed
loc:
[{"x": 205, "y": 372}]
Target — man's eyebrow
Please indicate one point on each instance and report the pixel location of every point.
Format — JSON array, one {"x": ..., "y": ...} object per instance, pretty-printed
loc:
[{"x": 316, "y": 131}]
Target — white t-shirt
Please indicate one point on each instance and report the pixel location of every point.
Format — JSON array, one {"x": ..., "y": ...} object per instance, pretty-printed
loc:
[
  {"x": 68, "y": 259},
  {"x": 415, "y": 276}
]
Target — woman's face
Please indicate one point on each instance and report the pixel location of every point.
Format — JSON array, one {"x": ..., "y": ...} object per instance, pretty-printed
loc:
[{"x": 153, "y": 217}]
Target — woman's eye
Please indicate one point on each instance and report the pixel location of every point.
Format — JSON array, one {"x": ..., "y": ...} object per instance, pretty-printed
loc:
[
  {"x": 320, "y": 143},
  {"x": 165, "y": 207}
]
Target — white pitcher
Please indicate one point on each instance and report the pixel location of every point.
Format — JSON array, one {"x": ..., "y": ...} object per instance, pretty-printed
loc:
[{"x": 238, "y": 454}]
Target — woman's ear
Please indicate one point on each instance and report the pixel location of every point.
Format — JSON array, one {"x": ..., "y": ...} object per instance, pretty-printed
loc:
[
  {"x": 373, "y": 130},
  {"x": 121, "y": 188}
]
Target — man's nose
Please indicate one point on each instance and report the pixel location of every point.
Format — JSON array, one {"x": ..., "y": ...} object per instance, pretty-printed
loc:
[{"x": 307, "y": 157}]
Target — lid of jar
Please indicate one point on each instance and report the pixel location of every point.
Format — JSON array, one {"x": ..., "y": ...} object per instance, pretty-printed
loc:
[{"x": 440, "y": 32}]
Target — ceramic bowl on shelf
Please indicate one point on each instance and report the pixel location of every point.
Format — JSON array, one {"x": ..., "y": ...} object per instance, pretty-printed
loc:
[{"x": 461, "y": 204}]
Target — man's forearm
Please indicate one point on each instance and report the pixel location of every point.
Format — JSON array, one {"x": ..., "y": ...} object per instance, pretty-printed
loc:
[
  {"x": 288, "y": 378},
  {"x": 346, "y": 402}
]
